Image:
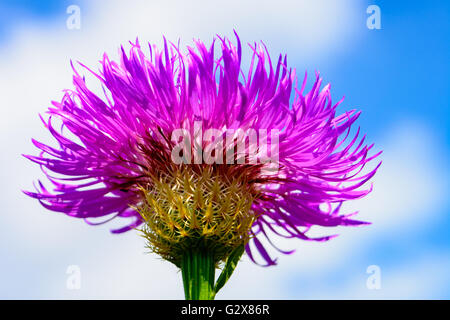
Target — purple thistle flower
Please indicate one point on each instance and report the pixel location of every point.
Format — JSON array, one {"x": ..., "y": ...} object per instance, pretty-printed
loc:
[{"x": 109, "y": 149}]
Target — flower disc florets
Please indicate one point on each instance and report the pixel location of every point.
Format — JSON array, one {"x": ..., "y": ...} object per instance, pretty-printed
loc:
[{"x": 196, "y": 207}]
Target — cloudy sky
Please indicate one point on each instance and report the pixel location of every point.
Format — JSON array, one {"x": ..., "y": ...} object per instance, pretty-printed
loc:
[{"x": 397, "y": 76}]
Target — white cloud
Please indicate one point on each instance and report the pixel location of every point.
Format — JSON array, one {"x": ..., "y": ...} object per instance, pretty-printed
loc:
[
  {"x": 409, "y": 194},
  {"x": 423, "y": 277},
  {"x": 410, "y": 184}
]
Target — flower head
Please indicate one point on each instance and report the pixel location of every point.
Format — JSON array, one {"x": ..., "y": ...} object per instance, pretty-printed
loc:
[{"x": 116, "y": 155}]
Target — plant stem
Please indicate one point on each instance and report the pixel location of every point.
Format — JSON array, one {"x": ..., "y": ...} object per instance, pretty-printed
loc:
[{"x": 198, "y": 269}]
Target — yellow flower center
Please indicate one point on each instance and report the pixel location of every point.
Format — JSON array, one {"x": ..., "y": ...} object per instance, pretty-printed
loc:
[{"x": 194, "y": 207}]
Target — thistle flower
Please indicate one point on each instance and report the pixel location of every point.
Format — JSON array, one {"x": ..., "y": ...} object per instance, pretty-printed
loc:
[{"x": 115, "y": 156}]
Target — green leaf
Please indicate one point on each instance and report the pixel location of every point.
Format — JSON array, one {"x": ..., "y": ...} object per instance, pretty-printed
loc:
[{"x": 230, "y": 265}]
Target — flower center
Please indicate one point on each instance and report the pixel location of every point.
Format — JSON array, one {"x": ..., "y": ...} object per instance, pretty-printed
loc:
[{"x": 194, "y": 207}]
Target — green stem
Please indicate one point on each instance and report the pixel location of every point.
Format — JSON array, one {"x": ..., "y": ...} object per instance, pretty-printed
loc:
[{"x": 198, "y": 268}]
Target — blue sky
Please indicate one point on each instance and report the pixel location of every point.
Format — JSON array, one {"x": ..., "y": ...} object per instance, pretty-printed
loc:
[
  {"x": 14, "y": 12},
  {"x": 398, "y": 77}
]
